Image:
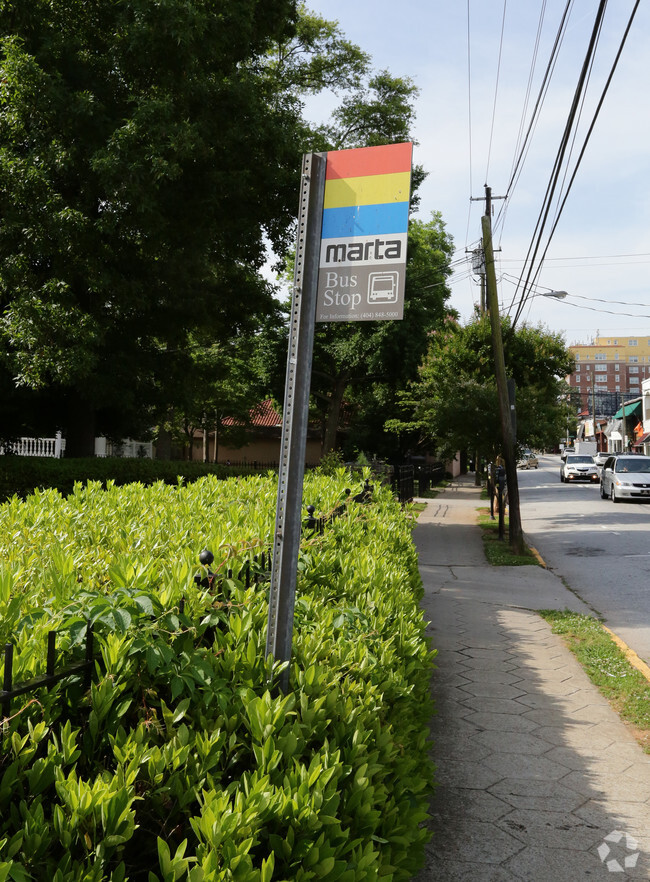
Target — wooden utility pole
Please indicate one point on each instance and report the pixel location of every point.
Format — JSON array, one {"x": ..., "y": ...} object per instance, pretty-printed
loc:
[{"x": 509, "y": 456}]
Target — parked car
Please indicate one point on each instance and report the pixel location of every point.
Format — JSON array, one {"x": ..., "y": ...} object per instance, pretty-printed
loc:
[
  {"x": 566, "y": 452},
  {"x": 528, "y": 461},
  {"x": 626, "y": 476},
  {"x": 601, "y": 458},
  {"x": 579, "y": 467}
]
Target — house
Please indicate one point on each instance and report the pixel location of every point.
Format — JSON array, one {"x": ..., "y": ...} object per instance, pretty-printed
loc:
[{"x": 263, "y": 434}]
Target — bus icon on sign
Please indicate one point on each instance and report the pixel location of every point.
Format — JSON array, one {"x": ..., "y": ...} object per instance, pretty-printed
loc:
[{"x": 382, "y": 287}]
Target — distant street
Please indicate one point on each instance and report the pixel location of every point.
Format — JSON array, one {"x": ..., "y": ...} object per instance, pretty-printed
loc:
[{"x": 601, "y": 550}]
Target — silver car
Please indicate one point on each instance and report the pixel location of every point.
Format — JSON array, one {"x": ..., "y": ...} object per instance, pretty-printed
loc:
[
  {"x": 601, "y": 458},
  {"x": 579, "y": 467},
  {"x": 626, "y": 476}
]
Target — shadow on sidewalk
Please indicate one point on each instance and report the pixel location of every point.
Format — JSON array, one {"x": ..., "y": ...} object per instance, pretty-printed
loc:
[{"x": 538, "y": 779}]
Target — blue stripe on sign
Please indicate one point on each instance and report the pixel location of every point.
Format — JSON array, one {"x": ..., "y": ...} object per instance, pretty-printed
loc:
[{"x": 365, "y": 220}]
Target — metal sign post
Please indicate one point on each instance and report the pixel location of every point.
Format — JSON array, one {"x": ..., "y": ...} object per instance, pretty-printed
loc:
[
  {"x": 286, "y": 541},
  {"x": 350, "y": 266}
]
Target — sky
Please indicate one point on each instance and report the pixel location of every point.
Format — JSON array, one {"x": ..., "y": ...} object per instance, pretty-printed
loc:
[{"x": 479, "y": 66}]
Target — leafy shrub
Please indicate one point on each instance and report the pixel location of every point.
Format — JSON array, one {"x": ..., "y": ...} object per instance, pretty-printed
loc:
[
  {"x": 21, "y": 475},
  {"x": 183, "y": 761}
]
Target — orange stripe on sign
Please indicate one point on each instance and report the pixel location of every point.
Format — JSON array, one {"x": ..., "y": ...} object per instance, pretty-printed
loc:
[{"x": 363, "y": 161}]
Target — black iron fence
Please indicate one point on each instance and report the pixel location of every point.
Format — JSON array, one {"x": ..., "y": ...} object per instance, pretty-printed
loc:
[
  {"x": 415, "y": 480},
  {"x": 11, "y": 690}
]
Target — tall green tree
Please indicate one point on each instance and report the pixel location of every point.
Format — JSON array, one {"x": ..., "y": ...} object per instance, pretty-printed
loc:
[
  {"x": 360, "y": 367},
  {"x": 145, "y": 154},
  {"x": 221, "y": 381},
  {"x": 454, "y": 405}
]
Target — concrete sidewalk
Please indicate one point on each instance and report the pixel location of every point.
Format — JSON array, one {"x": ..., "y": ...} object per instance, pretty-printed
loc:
[{"x": 538, "y": 778}]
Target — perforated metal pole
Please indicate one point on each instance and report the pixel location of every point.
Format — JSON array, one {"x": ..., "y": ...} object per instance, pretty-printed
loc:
[{"x": 286, "y": 541}]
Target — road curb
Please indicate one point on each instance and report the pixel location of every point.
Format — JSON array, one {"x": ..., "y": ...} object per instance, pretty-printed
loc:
[
  {"x": 538, "y": 557},
  {"x": 629, "y": 654}
]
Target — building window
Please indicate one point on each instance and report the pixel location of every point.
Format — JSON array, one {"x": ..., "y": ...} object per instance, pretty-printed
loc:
[
  {"x": 617, "y": 367},
  {"x": 600, "y": 356},
  {"x": 617, "y": 377},
  {"x": 634, "y": 381},
  {"x": 634, "y": 358},
  {"x": 632, "y": 342},
  {"x": 618, "y": 389},
  {"x": 634, "y": 370},
  {"x": 600, "y": 368}
]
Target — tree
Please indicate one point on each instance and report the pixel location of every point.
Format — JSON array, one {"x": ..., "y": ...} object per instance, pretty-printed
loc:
[
  {"x": 221, "y": 381},
  {"x": 361, "y": 364},
  {"x": 454, "y": 406},
  {"x": 366, "y": 364},
  {"x": 144, "y": 156},
  {"x": 359, "y": 368}
]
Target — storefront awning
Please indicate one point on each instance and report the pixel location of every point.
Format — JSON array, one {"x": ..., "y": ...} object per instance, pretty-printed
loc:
[
  {"x": 616, "y": 436},
  {"x": 632, "y": 409},
  {"x": 644, "y": 439}
]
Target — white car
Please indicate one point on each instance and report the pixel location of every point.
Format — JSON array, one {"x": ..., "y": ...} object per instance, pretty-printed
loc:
[
  {"x": 579, "y": 467},
  {"x": 626, "y": 476}
]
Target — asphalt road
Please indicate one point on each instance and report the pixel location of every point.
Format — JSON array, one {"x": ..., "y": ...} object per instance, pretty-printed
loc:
[{"x": 600, "y": 550}]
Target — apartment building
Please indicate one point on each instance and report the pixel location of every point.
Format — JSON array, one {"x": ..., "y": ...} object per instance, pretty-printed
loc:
[{"x": 609, "y": 370}]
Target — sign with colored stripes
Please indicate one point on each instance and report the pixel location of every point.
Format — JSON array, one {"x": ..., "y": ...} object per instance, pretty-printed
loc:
[{"x": 363, "y": 242}]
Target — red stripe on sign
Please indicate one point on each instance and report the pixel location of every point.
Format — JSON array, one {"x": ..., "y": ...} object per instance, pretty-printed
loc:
[{"x": 369, "y": 161}]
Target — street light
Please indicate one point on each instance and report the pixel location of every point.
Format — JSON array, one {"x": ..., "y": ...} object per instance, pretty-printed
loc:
[{"x": 556, "y": 295}]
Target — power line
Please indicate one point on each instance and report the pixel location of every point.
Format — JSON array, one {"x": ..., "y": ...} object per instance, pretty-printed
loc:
[
  {"x": 543, "y": 90},
  {"x": 469, "y": 112},
  {"x": 566, "y": 301},
  {"x": 496, "y": 91},
  {"x": 552, "y": 184},
  {"x": 582, "y": 257},
  {"x": 590, "y": 130}
]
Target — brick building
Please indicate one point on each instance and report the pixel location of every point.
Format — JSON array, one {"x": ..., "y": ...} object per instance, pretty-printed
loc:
[{"x": 609, "y": 370}]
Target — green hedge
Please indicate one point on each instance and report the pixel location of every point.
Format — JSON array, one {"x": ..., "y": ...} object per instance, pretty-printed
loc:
[
  {"x": 21, "y": 475},
  {"x": 183, "y": 762}
]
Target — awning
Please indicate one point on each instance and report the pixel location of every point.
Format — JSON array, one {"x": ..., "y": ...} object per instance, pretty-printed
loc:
[
  {"x": 632, "y": 409},
  {"x": 613, "y": 426},
  {"x": 616, "y": 436},
  {"x": 644, "y": 439}
]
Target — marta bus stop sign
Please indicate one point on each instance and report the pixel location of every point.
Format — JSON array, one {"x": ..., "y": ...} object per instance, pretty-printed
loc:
[{"x": 362, "y": 262}]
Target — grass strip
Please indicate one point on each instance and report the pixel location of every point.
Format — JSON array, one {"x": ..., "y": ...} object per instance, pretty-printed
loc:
[
  {"x": 497, "y": 551},
  {"x": 627, "y": 690}
]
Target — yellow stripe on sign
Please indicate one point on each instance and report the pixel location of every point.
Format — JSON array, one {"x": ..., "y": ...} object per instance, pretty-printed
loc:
[{"x": 368, "y": 190}]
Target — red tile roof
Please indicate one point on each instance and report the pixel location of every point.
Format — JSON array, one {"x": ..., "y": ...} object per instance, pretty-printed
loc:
[{"x": 263, "y": 415}]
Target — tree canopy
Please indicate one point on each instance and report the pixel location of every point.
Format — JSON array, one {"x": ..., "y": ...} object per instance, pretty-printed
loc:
[
  {"x": 454, "y": 405},
  {"x": 144, "y": 157},
  {"x": 149, "y": 153},
  {"x": 359, "y": 368}
]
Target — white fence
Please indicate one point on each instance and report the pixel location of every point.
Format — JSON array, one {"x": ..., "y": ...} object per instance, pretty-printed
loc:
[{"x": 55, "y": 447}]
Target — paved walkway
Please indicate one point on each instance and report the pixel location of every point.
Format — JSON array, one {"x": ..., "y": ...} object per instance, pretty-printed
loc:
[{"x": 538, "y": 779}]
